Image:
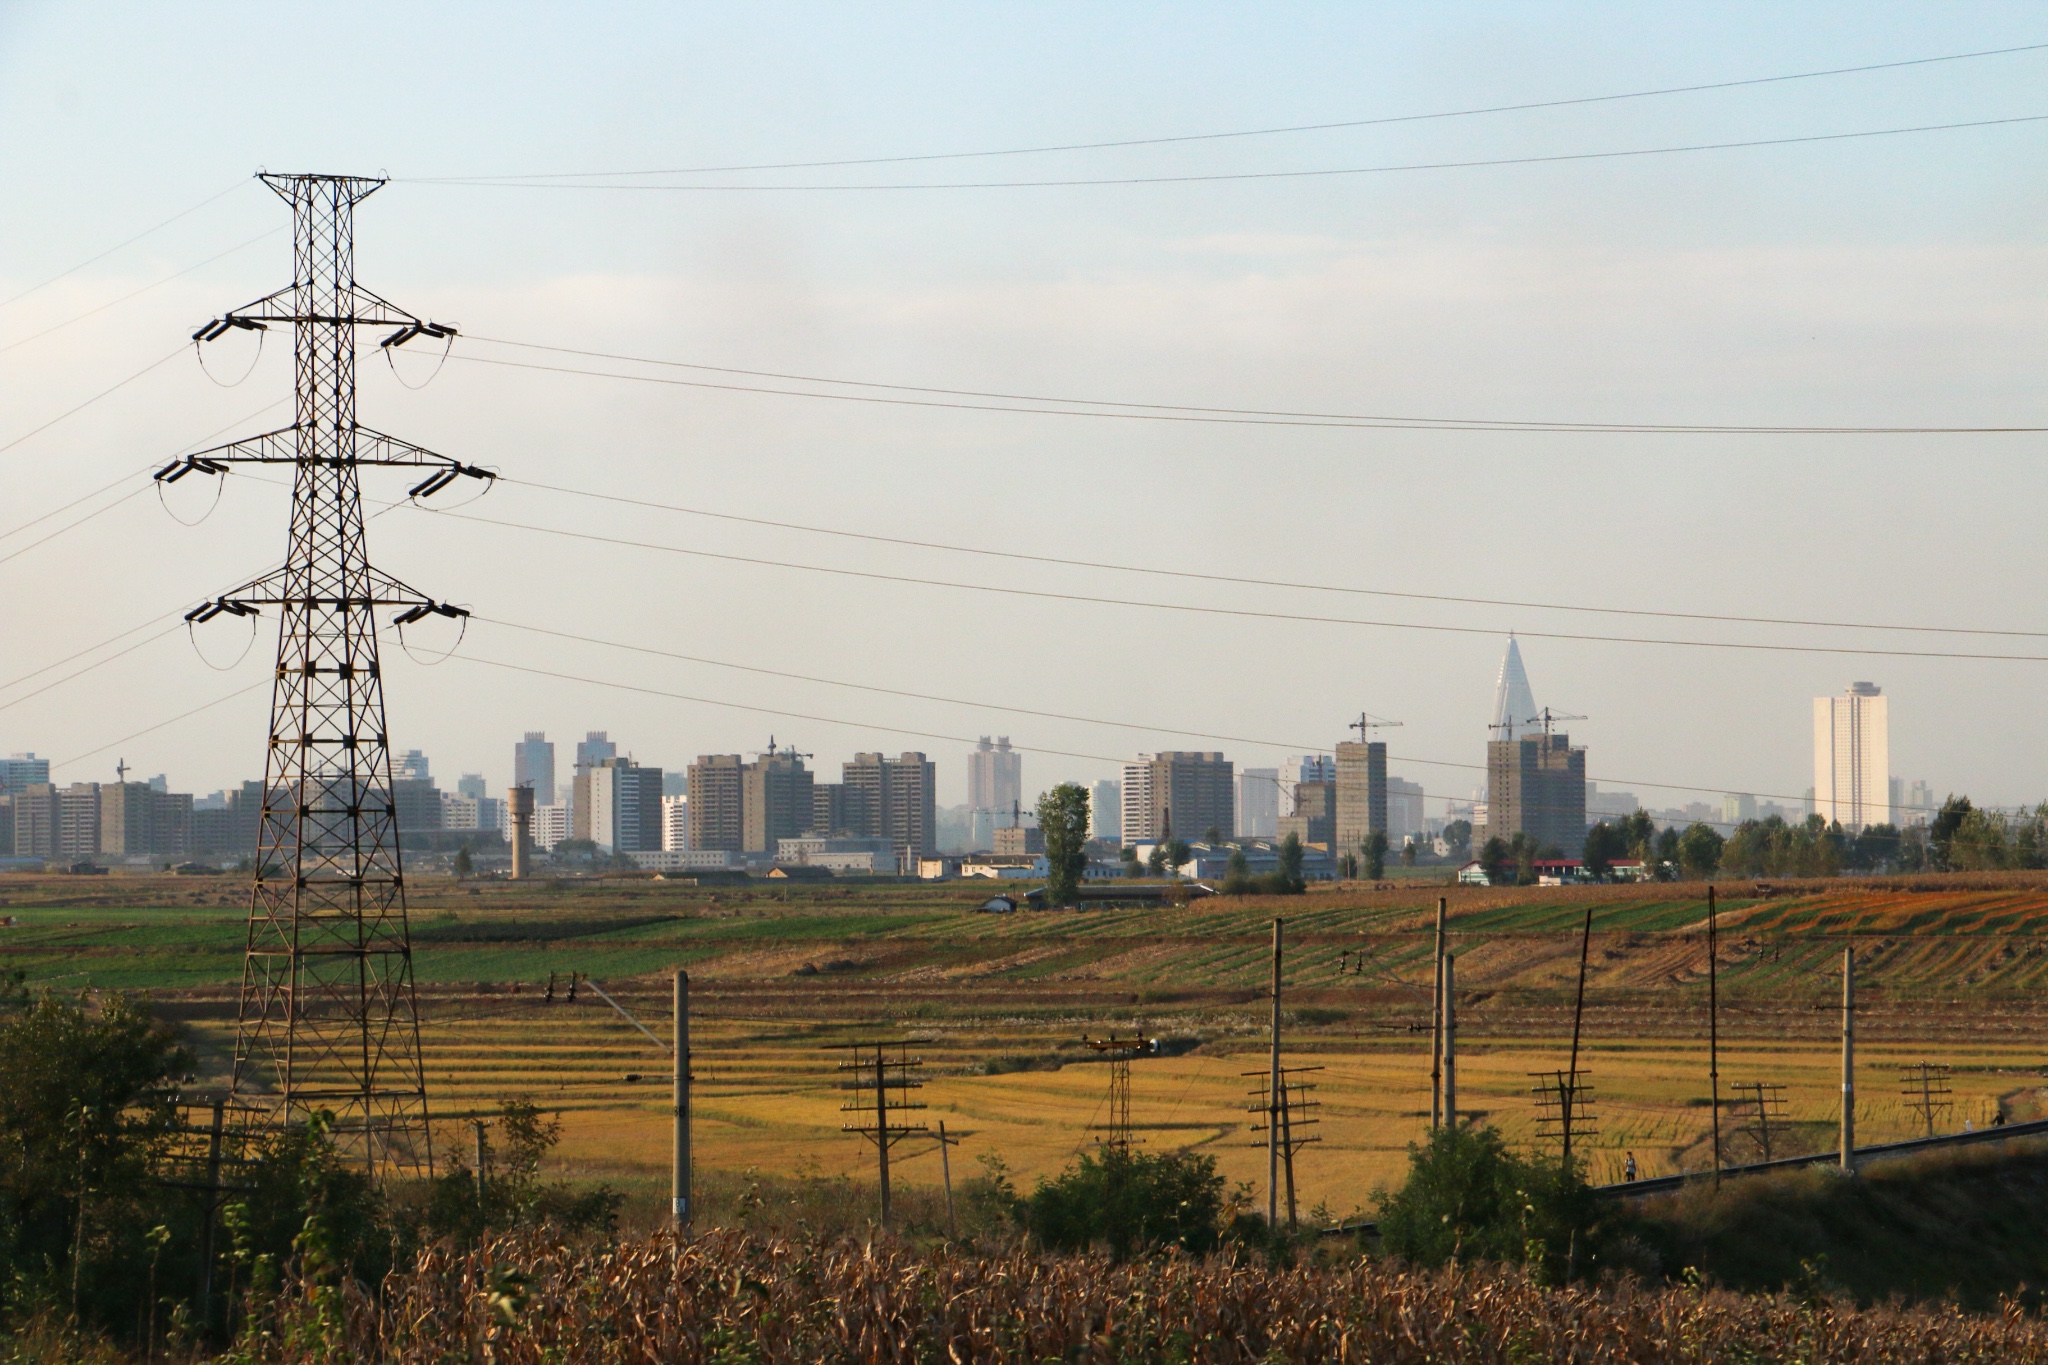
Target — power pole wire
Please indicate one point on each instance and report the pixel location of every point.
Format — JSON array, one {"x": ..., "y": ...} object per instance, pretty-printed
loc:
[
  {"x": 1071, "y": 182},
  {"x": 1382, "y": 121}
]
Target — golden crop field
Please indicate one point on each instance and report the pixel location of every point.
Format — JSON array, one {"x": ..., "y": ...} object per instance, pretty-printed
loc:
[{"x": 997, "y": 1006}]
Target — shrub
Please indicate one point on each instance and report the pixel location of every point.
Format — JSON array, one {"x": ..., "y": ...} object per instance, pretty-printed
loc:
[
  {"x": 1468, "y": 1198},
  {"x": 1129, "y": 1201}
]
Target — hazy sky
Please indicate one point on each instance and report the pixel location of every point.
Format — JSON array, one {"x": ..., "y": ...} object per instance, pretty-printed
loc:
[{"x": 1891, "y": 281}]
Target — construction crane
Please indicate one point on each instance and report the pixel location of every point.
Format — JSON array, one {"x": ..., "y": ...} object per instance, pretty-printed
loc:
[
  {"x": 773, "y": 752},
  {"x": 1548, "y": 716},
  {"x": 1365, "y": 725}
]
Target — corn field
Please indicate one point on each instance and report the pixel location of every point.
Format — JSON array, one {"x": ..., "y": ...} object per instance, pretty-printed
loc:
[{"x": 728, "y": 1298}]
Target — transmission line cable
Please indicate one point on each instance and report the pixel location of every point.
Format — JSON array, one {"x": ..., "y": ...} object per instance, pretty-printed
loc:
[
  {"x": 1237, "y": 612},
  {"x": 1212, "y": 177},
  {"x": 152, "y": 729},
  {"x": 1261, "y": 582},
  {"x": 69, "y": 412},
  {"x": 137, "y": 293},
  {"x": 140, "y": 469},
  {"x": 1382, "y": 121},
  {"x": 126, "y": 242},
  {"x": 1177, "y": 412},
  {"x": 97, "y": 512}
]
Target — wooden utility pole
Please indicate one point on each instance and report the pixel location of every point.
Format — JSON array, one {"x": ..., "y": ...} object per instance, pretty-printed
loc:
[
  {"x": 1569, "y": 1099},
  {"x": 479, "y": 1166},
  {"x": 884, "y": 1073},
  {"x": 1436, "y": 1021},
  {"x": 679, "y": 1153},
  {"x": 1849, "y": 1059},
  {"x": 1714, "y": 1031},
  {"x": 946, "y": 1172},
  {"x": 1273, "y": 1100},
  {"x": 1449, "y": 1006}
]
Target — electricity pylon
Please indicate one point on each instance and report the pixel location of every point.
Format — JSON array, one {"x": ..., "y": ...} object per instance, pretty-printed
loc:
[{"x": 328, "y": 1018}]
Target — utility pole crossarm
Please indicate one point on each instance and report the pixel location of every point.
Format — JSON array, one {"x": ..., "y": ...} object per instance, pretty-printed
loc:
[{"x": 370, "y": 447}]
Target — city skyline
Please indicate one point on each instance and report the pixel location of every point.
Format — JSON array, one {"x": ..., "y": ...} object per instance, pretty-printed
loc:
[{"x": 1886, "y": 282}]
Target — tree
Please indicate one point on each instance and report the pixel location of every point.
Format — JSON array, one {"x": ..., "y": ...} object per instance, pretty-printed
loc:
[
  {"x": 1063, "y": 819},
  {"x": 1640, "y": 832},
  {"x": 1605, "y": 844},
  {"x": 1493, "y": 861},
  {"x": 1408, "y": 853},
  {"x": 1699, "y": 851},
  {"x": 86, "y": 1106},
  {"x": 1374, "y": 854},
  {"x": 464, "y": 864},
  {"x": 1458, "y": 837},
  {"x": 1238, "y": 866},
  {"x": 1214, "y": 836},
  {"x": 1469, "y": 1198},
  {"x": 1129, "y": 1201},
  {"x": 1290, "y": 858},
  {"x": 1941, "y": 833},
  {"x": 1176, "y": 852}
]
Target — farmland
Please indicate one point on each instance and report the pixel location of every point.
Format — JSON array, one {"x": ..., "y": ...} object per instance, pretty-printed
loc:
[{"x": 1949, "y": 970}]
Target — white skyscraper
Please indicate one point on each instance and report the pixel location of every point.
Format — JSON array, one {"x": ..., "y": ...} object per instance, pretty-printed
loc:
[
  {"x": 1513, "y": 702},
  {"x": 1106, "y": 811},
  {"x": 1136, "y": 816},
  {"x": 1258, "y": 803},
  {"x": 1852, "y": 758}
]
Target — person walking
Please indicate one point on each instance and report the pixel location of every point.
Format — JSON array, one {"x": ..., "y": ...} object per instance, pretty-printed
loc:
[{"x": 1628, "y": 1169}]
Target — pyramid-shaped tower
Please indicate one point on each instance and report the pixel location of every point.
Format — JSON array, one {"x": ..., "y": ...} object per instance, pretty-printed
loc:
[{"x": 1513, "y": 703}]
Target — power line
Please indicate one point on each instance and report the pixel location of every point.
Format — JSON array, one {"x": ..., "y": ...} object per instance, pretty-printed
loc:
[
  {"x": 1188, "y": 413},
  {"x": 126, "y": 242},
  {"x": 69, "y": 412},
  {"x": 117, "y": 482},
  {"x": 137, "y": 293},
  {"x": 763, "y": 710},
  {"x": 1238, "y": 612},
  {"x": 1554, "y": 158},
  {"x": 1261, "y": 582},
  {"x": 74, "y": 525},
  {"x": 1274, "y": 131},
  {"x": 152, "y": 729}
]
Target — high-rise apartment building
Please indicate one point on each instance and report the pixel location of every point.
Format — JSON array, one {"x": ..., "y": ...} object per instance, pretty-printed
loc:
[
  {"x": 1737, "y": 807},
  {"x": 1536, "y": 785},
  {"x": 595, "y": 747},
  {"x": 1405, "y": 819},
  {"x": 413, "y": 767},
  {"x": 136, "y": 820},
  {"x": 775, "y": 801},
  {"x": 1314, "y": 817},
  {"x": 417, "y": 802},
  {"x": 551, "y": 825},
  {"x": 894, "y": 799},
  {"x": 1852, "y": 757},
  {"x": 717, "y": 821},
  {"x": 625, "y": 806},
  {"x": 1136, "y": 814},
  {"x": 471, "y": 785},
  {"x": 18, "y": 772},
  {"x": 1179, "y": 793},
  {"x": 57, "y": 822},
  {"x": 1921, "y": 806},
  {"x": 533, "y": 765},
  {"x": 995, "y": 779},
  {"x": 675, "y": 820},
  {"x": 1258, "y": 803},
  {"x": 1106, "y": 811},
  {"x": 1361, "y": 792}
]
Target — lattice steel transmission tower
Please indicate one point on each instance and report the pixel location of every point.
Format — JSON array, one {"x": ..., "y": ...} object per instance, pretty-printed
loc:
[
  {"x": 1119, "y": 1051},
  {"x": 328, "y": 1017}
]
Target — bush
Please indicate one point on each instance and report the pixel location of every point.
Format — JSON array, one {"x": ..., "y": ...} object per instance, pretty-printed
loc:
[
  {"x": 1468, "y": 1198},
  {"x": 1129, "y": 1201}
]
